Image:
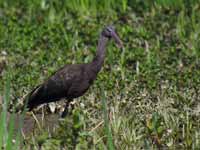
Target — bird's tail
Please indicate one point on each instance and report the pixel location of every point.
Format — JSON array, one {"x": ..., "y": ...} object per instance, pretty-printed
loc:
[{"x": 34, "y": 97}]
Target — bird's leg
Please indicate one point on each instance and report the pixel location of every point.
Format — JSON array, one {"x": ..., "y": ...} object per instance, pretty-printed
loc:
[{"x": 65, "y": 112}]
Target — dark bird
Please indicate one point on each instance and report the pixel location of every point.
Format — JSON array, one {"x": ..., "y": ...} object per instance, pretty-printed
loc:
[{"x": 73, "y": 80}]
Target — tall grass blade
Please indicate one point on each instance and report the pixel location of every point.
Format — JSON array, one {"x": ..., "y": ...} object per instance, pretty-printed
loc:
[
  {"x": 3, "y": 125},
  {"x": 7, "y": 125},
  {"x": 124, "y": 5},
  {"x": 10, "y": 130},
  {"x": 122, "y": 63},
  {"x": 9, "y": 144},
  {"x": 106, "y": 121}
]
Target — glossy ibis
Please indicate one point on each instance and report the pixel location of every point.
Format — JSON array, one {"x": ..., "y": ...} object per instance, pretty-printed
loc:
[{"x": 72, "y": 80}]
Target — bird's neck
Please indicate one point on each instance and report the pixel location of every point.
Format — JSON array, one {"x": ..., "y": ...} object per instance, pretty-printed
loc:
[{"x": 100, "y": 54}]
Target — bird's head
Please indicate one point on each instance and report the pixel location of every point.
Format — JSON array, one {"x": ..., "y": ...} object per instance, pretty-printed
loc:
[{"x": 110, "y": 32}]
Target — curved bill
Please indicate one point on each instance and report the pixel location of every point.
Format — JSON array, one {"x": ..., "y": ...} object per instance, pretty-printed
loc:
[{"x": 117, "y": 40}]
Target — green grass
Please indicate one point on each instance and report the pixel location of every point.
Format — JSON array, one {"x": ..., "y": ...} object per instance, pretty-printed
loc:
[
  {"x": 106, "y": 121},
  {"x": 152, "y": 85},
  {"x": 10, "y": 136}
]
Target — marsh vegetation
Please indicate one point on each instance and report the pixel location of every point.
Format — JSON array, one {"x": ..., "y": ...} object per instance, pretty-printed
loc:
[{"x": 150, "y": 90}]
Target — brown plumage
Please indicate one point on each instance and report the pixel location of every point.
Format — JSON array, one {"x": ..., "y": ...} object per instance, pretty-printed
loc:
[{"x": 72, "y": 80}]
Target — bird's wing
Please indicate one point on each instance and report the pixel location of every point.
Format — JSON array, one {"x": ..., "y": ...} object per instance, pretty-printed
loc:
[{"x": 55, "y": 88}]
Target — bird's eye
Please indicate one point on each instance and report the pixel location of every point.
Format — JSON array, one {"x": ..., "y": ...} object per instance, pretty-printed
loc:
[{"x": 109, "y": 29}]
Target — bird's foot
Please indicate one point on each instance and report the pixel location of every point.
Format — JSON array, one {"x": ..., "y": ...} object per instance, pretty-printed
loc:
[
  {"x": 64, "y": 113},
  {"x": 66, "y": 110}
]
